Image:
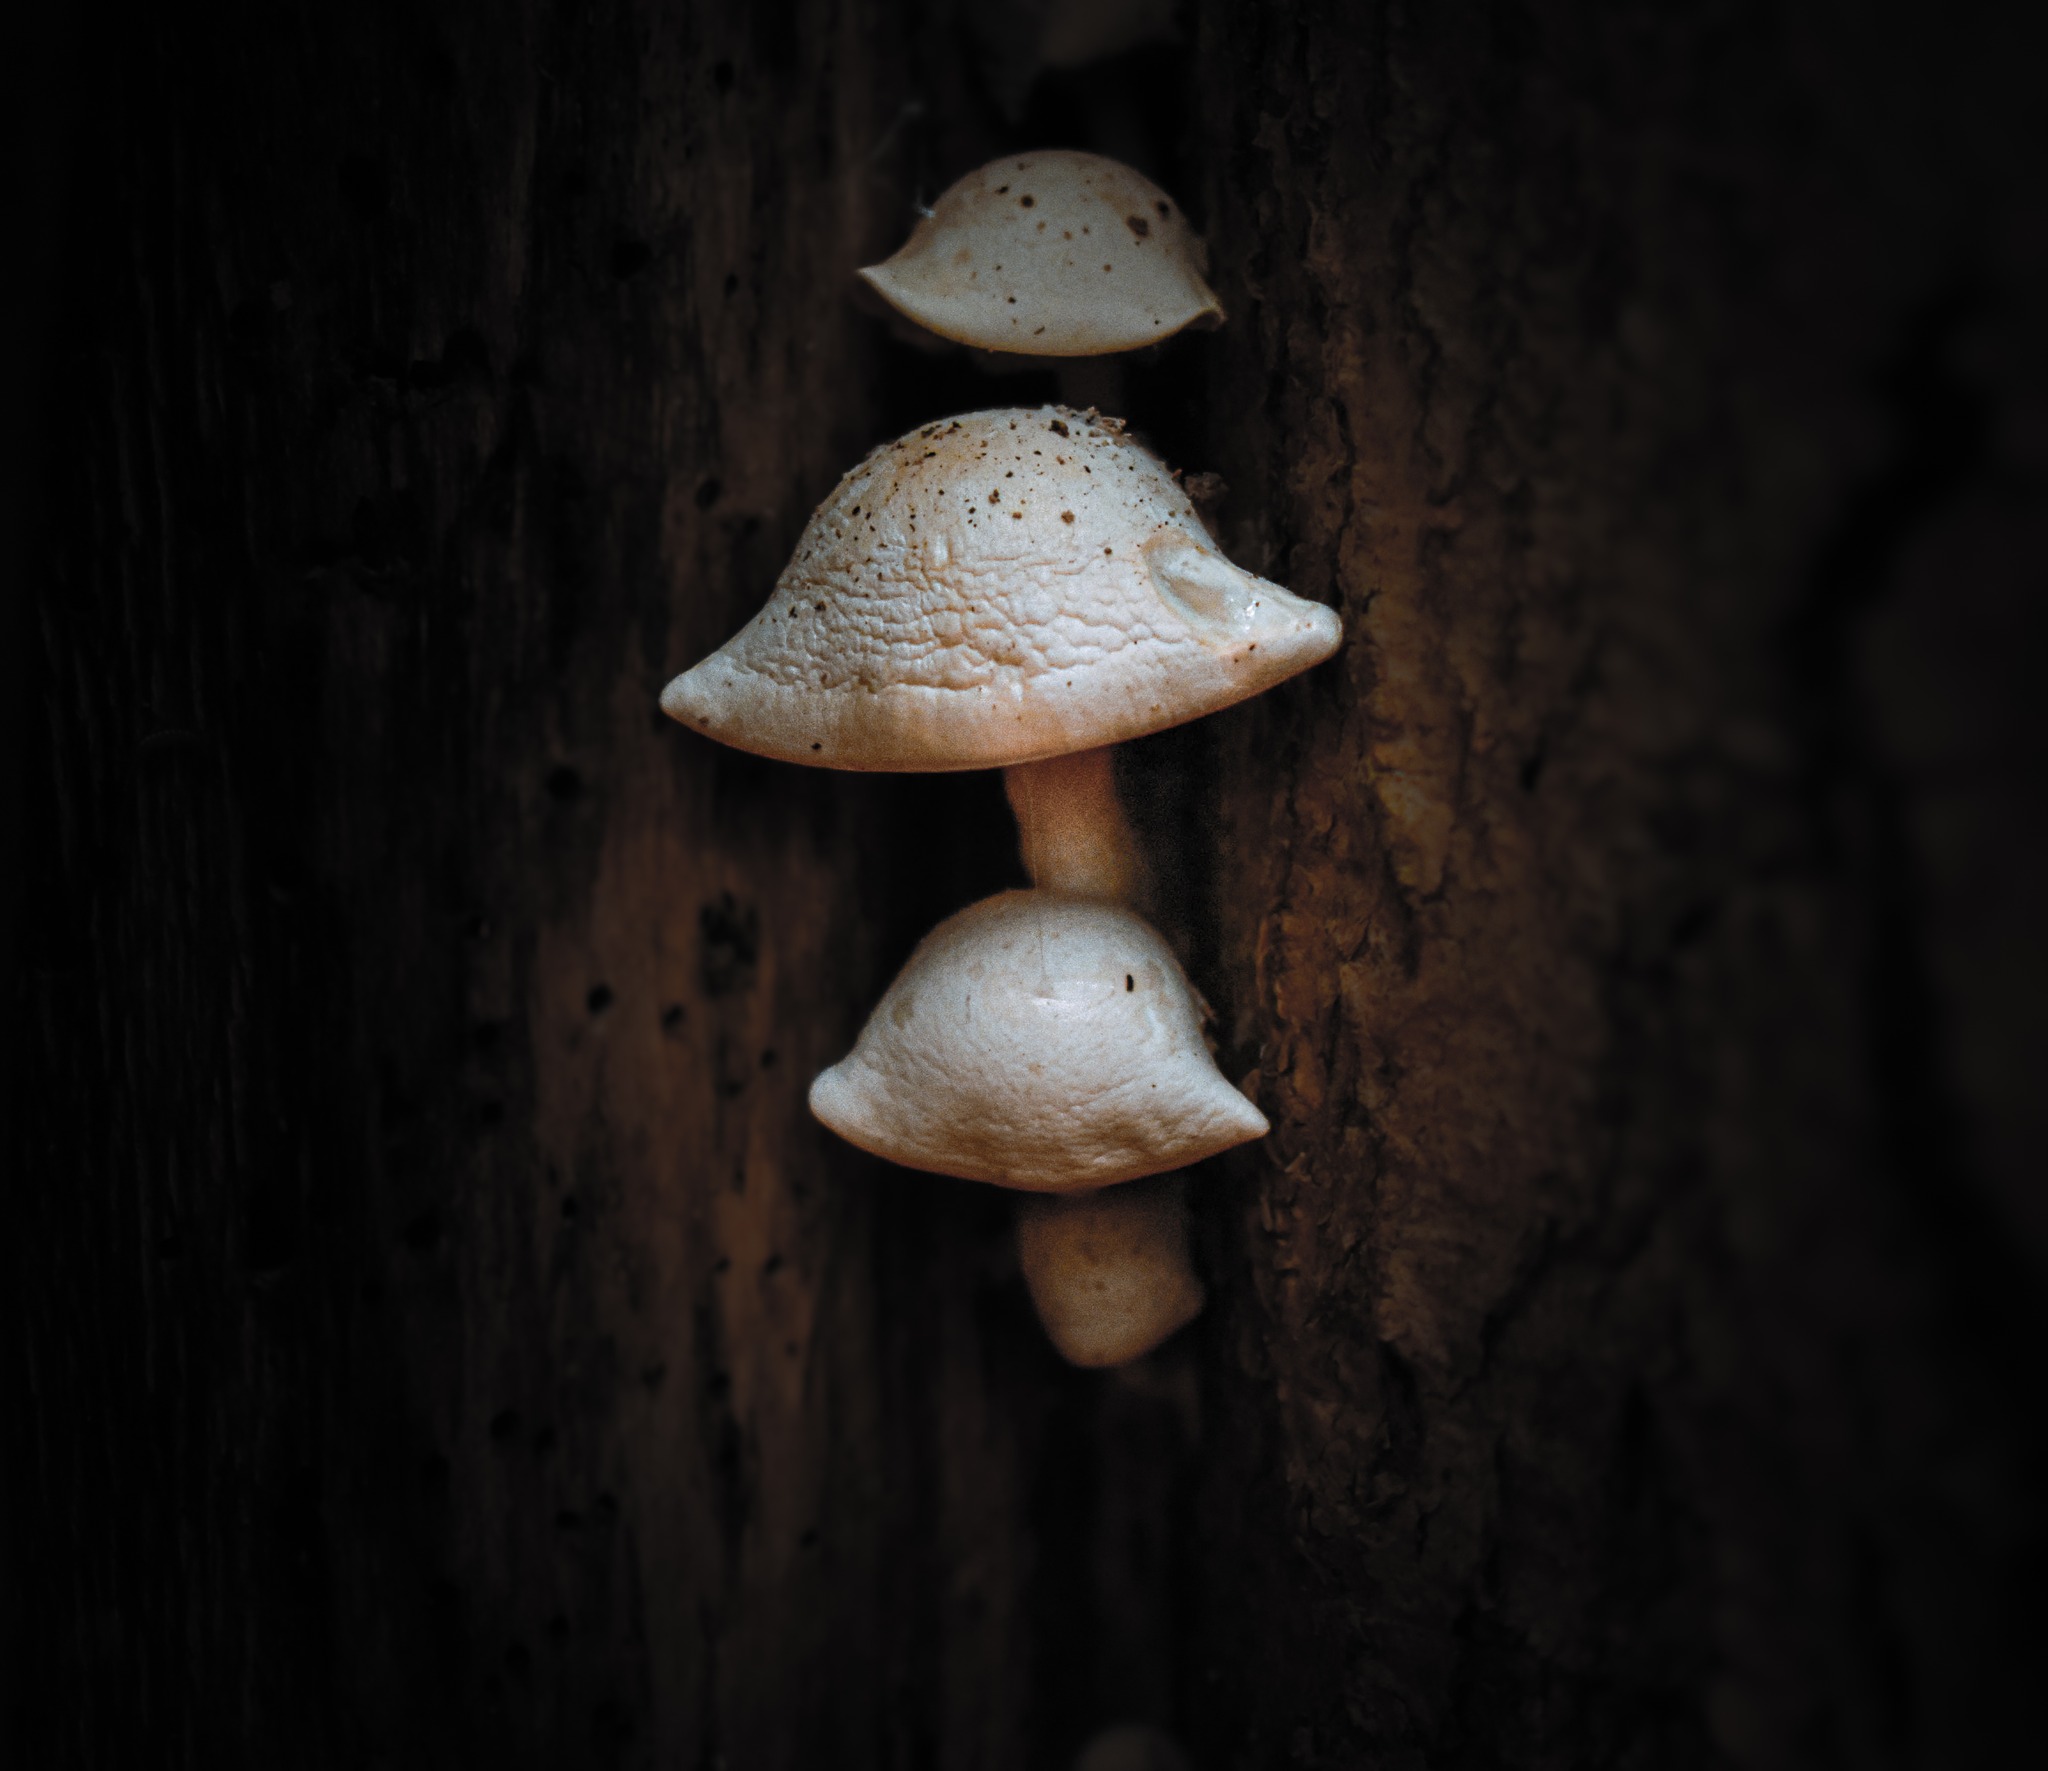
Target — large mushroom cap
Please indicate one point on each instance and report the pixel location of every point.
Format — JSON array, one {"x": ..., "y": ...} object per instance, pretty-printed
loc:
[
  {"x": 995, "y": 589},
  {"x": 1052, "y": 254},
  {"x": 1041, "y": 1042}
]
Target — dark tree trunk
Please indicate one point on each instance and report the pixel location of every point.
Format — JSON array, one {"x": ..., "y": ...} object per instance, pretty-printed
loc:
[
  {"x": 438, "y": 1333},
  {"x": 1625, "y": 1336}
]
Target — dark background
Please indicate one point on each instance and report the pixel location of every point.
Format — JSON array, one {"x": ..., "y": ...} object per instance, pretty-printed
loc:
[{"x": 436, "y": 1333}]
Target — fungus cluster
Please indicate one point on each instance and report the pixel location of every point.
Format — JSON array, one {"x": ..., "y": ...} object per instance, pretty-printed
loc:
[{"x": 1022, "y": 589}]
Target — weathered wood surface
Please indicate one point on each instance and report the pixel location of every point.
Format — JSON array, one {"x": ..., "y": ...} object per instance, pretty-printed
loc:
[
  {"x": 1625, "y": 1335},
  {"x": 440, "y": 1333},
  {"x": 447, "y": 1334}
]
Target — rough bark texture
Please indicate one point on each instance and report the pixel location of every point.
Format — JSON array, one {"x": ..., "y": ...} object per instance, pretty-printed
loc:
[
  {"x": 436, "y": 1332},
  {"x": 1626, "y": 1340},
  {"x": 447, "y": 1335}
]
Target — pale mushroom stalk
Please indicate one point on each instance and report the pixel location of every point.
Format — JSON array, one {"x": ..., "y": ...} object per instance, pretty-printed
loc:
[
  {"x": 1109, "y": 1271},
  {"x": 1071, "y": 827}
]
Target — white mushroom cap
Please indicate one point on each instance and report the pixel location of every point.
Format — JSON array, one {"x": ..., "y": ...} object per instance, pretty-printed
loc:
[
  {"x": 1109, "y": 1270},
  {"x": 995, "y": 589},
  {"x": 1041, "y": 1042},
  {"x": 1052, "y": 254}
]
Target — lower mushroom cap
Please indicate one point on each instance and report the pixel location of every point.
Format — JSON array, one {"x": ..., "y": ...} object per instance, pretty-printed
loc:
[
  {"x": 1109, "y": 1271},
  {"x": 1041, "y": 1042}
]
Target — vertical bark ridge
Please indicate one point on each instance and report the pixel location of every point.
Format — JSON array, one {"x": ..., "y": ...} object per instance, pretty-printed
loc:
[{"x": 1572, "y": 1322}]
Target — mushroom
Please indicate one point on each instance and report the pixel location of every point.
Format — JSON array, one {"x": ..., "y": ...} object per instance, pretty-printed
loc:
[
  {"x": 1050, "y": 1043},
  {"x": 997, "y": 589},
  {"x": 1051, "y": 254},
  {"x": 1037, "y": 1041},
  {"x": 1109, "y": 1270},
  {"x": 1022, "y": 589}
]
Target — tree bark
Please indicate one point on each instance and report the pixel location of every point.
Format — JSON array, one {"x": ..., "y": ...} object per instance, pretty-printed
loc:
[
  {"x": 1621, "y": 1296},
  {"x": 448, "y": 1334},
  {"x": 438, "y": 1332}
]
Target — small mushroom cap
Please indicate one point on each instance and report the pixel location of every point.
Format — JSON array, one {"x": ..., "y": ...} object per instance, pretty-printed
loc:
[
  {"x": 1052, "y": 254},
  {"x": 1040, "y": 1042},
  {"x": 996, "y": 589}
]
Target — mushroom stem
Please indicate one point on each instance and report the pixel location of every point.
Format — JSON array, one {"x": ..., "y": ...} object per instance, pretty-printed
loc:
[
  {"x": 1071, "y": 828},
  {"x": 1109, "y": 1271}
]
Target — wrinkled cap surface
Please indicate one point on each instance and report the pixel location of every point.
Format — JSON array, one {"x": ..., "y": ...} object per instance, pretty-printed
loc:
[
  {"x": 1040, "y": 1042},
  {"x": 1053, "y": 254},
  {"x": 995, "y": 589}
]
